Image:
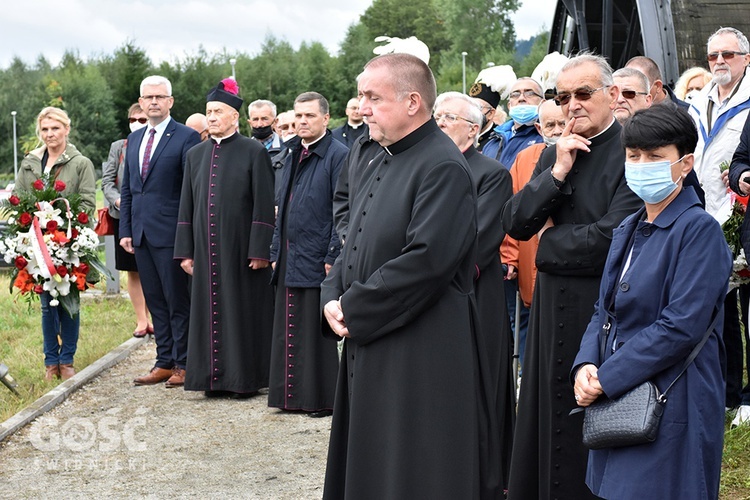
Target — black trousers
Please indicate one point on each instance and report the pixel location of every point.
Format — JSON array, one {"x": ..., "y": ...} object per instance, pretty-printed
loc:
[{"x": 736, "y": 394}]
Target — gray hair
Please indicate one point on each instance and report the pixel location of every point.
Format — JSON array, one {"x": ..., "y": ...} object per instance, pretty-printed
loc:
[
  {"x": 633, "y": 73},
  {"x": 605, "y": 70},
  {"x": 156, "y": 80},
  {"x": 741, "y": 39},
  {"x": 314, "y": 96},
  {"x": 473, "y": 110},
  {"x": 538, "y": 86},
  {"x": 260, "y": 103}
]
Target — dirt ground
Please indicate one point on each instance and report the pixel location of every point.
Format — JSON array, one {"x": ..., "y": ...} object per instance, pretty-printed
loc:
[{"x": 111, "y": 439}]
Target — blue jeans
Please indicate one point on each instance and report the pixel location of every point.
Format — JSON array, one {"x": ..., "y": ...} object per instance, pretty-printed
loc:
[{"x": 56, "y": 321}]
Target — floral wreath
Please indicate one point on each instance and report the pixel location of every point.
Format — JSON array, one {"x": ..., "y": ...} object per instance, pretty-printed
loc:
[{"x": 51, "y": 244}]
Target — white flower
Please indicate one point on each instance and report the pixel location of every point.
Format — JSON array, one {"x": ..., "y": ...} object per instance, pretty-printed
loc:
[{"x": 54, "y": 302}]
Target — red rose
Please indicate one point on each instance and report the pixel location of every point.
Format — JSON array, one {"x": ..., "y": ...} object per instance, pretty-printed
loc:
[
  {"x": 21, "y": 262},
  {"x": 38, "y": 185},
  {"x": 84, "y": 268},
  {"x": 59, "y": 186},
  {"x": 83, "y": 218},
  {"x": 24, "y": 219},
  {"x": 38, "y": 289},
  {"x": 14, "y": 200},
  {"x": 62, "y": 270},
  {"x": 74, "y": 233},
  {"x": 51, "y": 226}
]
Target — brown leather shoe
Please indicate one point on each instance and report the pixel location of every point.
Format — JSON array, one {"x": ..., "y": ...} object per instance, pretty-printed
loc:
[
  {"x": 52, "y": 372},
  {"x": 67, "y": 371},
  {"x": 155, "y": 376},
  {"x": 177, "y": 379}
]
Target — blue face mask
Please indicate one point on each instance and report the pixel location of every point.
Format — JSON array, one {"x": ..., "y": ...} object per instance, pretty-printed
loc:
[
  {"x": 651, "y": 181},
  {"x": 524, "y": 114}
]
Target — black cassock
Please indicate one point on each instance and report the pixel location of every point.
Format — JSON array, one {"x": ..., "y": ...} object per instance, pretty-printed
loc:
[
  {"x": 549, "y": 459},
  {"x": 410, "y": 413},
  {"x": 494, "y": 188},
  {"x": 226, "y": 218}
]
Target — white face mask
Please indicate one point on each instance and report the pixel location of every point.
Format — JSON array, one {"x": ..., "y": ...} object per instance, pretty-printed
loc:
[
  {"x": 136, "y": 126},
  {"x": 691, "y": 95}
]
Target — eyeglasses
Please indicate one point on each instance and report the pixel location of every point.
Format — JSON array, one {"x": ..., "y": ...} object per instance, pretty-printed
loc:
[
  {"x": 451, "y": 118},
  {"x": 528, "y": 93},
  {"x": 725, "y": 54},
  {"x": 630, "y": 94},
  {"x": 580, "y": 95},
  {"x": 157, "y": 97},
  {"x": 139, "y": 120}
]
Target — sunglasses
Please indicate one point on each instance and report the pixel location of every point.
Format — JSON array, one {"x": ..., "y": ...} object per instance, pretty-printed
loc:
[
  {"x": 725, "y": 54},
  {"x": 630, "y": 94},
  {"x": 580, "y": 95},
  {"x": 139, "y": 120}
]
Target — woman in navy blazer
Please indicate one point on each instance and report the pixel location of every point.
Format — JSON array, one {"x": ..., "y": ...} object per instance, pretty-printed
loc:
[{"x": 668, "y": 269}]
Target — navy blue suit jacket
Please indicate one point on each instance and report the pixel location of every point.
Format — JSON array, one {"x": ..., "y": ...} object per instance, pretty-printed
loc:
[{"x": 149, "y": 208}]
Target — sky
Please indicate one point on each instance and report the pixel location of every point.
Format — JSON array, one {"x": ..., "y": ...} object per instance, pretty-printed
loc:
[{"x": 169, "y": 30}]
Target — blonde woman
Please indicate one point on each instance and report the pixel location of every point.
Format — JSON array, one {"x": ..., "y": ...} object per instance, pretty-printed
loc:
[
  {"x": 61, "y": 161},
  {"x": 691, "y": 82}
]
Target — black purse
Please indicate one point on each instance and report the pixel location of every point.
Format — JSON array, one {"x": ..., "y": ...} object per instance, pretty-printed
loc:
[{"x": 634, "y": 417}]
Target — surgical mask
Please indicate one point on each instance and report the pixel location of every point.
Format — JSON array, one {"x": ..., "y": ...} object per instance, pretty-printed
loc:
[
  {"x": 550, "y": 141},
  {"x": 136, "y": 126},
  {"x": 524, "y": 114},
  {"x": 652, "y": 181},
  {"x": 262, "y": 132},
  {"x": 692, "y": 95}
]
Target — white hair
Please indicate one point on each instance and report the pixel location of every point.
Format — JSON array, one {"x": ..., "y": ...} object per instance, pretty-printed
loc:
[{"x": 157, "y": 80}]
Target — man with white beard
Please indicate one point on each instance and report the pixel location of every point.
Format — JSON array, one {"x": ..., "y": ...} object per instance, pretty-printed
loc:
[{"x": 720, "y": 112}]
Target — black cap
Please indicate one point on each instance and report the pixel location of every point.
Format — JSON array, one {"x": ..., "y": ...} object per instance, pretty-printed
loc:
[{"x": 226, "y": 91}]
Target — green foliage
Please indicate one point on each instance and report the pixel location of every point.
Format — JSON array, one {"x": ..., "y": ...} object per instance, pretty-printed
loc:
[
  {"x": 97, "y": 92},
  {"x": 124, "y": 72},
  {"x": 538, "y": 50},
  {"x": 478, "y": 27}
]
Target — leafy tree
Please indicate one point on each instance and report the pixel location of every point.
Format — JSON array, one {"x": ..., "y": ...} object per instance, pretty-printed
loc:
[
  {"x": 191, "y": 80},
  {"x": 535, "y": 56},
  {"x": 419, "y": 18},
  {"x": 124, "y": 71},
  {"x": 87, "y": 98},
  {"x": 355, "y": 51},
  {"x": 22, "y": 92},
  {"x": 478, "y": 27}
]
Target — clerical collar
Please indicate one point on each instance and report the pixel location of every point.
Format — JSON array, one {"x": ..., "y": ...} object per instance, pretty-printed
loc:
[
  {"x": 603, "y": 131},
  {"x": 429, "y": 127},
  {"x": 219, "y": 139},
  {"x": 355, "y": 127},
  {"x": 309, "y": 144}
]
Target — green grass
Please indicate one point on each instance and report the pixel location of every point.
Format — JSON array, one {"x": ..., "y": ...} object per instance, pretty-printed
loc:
[
  {"x": 105, "y": 324},
  {"x": 735, "y": 468}
]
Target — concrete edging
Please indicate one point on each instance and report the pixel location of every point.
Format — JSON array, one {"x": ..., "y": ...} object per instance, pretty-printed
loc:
[{"x": 65, "y": 389}]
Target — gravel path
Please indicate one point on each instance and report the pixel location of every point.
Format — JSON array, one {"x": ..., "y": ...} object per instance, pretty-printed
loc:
[{"x": 111, "y": 439}]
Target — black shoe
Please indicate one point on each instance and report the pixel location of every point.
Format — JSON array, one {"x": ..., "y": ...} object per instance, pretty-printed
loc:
[
  {"x": 242, "y": 395},
  {"x": 320, "y": 414},
  {"x": 215, "y": 394}
]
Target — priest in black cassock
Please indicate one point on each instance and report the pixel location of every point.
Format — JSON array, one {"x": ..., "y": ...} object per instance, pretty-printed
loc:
[
  {"x": 224, "y": 232},
  {"x": 460, "y": 117},
  {"x": 305, "y": 245},
  {"x": 410, "y": 418},
  {"x": 576, "y": 196}
]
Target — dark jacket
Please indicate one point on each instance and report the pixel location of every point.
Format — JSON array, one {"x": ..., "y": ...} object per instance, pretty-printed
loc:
[
  {"x": 304, "y": 225},
  {"x": 739, "y": 170},
  {"x": 347, "y": 135}
]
